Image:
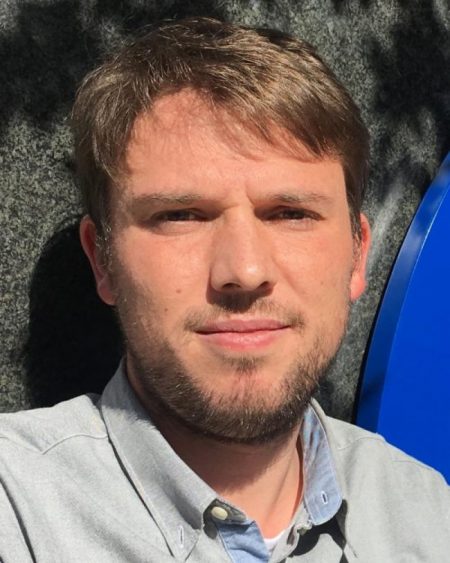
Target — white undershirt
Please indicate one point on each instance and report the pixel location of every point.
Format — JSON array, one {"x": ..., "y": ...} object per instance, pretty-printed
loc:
[{"x": 272, "y": 542}]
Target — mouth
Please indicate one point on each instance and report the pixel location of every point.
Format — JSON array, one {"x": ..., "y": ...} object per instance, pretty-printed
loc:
[{"x": 243, "y": 335}]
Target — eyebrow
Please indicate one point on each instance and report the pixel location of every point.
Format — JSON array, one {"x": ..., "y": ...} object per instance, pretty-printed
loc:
[
  {"x": 135, "y": 204},
  {"x": 138, "y": 203},
  {"x": 300, "y": 198}
]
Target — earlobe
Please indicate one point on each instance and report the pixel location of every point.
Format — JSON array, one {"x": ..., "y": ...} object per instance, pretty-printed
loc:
[
  {"x": 358, "y": 280},
  {"x": 88, "y": 238}
]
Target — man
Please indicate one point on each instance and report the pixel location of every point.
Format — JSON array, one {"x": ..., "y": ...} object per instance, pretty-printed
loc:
[{"x": 222, "y": 171}]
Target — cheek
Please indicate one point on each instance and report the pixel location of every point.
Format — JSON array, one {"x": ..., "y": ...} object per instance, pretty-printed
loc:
[
  {"x": 320, "y": 271},
  {"x": 172, "y": 275}
]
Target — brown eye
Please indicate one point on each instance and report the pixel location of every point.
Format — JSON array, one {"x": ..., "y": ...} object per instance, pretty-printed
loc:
[
  {"x": 177, "y": 215},
  {"x": 291, "y": 214},
  {"x": 175, "y": 221}
]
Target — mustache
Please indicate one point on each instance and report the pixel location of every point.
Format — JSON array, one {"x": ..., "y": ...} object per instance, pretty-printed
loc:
[{"x": 196, "y": 319}]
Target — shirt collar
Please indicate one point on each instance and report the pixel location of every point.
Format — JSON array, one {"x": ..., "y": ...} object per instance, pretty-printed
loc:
[
  {"x": 322, "y": 498},
  {"x": 322, "y": 495},
  {"x": 176, "y": 497}
]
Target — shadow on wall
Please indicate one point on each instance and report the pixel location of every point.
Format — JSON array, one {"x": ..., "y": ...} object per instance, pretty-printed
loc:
[
  {"x": 55, "y": 44},
  {"x": 413, "y": 81},
  {"x": 339, "y": 5},
  {"x": 73, "y": 344}
]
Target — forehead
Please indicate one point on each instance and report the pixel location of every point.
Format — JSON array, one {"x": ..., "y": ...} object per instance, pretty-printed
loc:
[
  {"x": 184, "y": 143},
  {"x": 183, "y": 126}
]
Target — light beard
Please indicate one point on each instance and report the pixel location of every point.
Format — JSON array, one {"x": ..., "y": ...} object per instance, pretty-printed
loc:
[
  {"x": 169, "y": 390},
  {"x": 240, "y": 417}
]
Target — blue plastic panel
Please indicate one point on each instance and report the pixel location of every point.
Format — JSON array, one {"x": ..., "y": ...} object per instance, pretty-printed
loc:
[{"x": 405, "y": 390}]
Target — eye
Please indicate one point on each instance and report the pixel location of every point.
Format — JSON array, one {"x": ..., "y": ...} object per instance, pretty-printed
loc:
[
  {"x": 175, "y": 221},
  {"x": 177, "y": 215},
  {"x": 292, "y": 214}
]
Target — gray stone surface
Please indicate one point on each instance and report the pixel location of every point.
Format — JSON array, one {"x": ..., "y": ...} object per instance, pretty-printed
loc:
[{"x": 58, "y": 340}]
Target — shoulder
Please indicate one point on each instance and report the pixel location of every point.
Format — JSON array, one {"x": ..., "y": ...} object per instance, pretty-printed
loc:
[
  {"x": 368, "y": 466},
  {"x": 389, "y": 497},
  {"x": 39, "y": 430},
  {"x": 350, "y": 441},
  {"x": 358, "y": 452}
]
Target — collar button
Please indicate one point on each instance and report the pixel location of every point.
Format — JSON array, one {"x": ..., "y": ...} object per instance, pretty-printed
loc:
[{"x": 219, "y": 513}]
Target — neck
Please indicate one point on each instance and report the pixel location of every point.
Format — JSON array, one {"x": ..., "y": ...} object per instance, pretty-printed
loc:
[{"x": 265, "y": 481}]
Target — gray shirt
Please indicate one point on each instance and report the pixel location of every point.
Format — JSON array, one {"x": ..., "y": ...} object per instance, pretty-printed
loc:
[{"x": 92, "y": 479}]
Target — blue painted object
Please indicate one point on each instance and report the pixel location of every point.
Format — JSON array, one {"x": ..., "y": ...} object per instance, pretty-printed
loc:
[{"x": 405, "y": 391}]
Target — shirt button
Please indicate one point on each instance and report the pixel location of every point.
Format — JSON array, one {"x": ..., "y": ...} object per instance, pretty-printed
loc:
[{"x": 219, "y": 513}]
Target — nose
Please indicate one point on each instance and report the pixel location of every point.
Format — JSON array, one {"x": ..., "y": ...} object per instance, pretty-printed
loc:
[{"x": 242, "y": 259}]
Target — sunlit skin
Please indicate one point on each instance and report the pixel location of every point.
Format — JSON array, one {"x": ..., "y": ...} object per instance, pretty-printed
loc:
[{"x": 198, "y": 219}]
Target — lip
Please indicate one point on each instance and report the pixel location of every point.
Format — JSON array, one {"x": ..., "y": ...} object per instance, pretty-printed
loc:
[
  {"x": 242, "y": 325},
  {"x": 243, "y": 335}
]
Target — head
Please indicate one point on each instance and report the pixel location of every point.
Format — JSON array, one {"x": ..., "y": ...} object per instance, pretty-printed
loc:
[{"x": 222, "y": 170}]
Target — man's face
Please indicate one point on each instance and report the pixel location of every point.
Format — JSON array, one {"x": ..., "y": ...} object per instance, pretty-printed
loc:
[{"x": 232, "y": 272}]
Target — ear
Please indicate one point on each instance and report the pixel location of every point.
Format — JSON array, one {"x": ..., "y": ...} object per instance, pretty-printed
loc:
[
  {"x": 88, "y": 237},
  {"x": 358, "y": 279}
]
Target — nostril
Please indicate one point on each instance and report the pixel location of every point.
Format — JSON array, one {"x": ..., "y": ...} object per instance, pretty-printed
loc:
[
  {"x": 247, "y": 286},
  {"x": 231, "y": 285}
]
